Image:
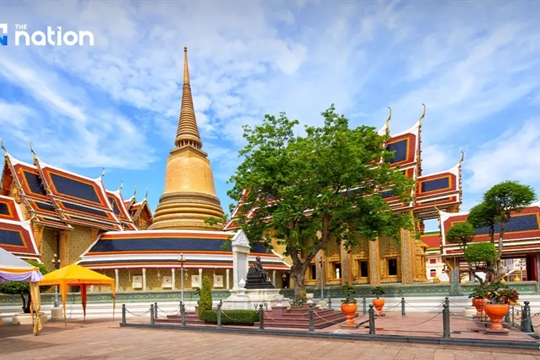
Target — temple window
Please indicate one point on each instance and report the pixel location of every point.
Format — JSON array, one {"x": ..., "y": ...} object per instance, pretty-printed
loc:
[
  {"x": 433, "y": 272},
  {"x": 313, "y": 271},
  {"x": 336, "y": 270},
  {"x": 432, "y": 261},
  {"x": 392, "y": 267},
  {"x": 363, "y": 268}
]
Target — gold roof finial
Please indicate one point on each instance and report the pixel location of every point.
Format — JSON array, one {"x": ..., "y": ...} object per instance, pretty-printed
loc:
[
  {"x": 134, "y": 192},
  {"x": 121, "y": 185},
  {"x": 33, "y": 217},
  {"x": 387, "y": 122},
  {"x": 438, "y": 210},
  {"x": 32, "y": 150},
  {"x": 3, "y": 147},
  {"x": 102, "y": 173},
  {"x": 188, "y": 131},
  {"x": 146, "y": 195},
  {"x": 422, "y": 116},
  {"x": 462, "y": 158}
]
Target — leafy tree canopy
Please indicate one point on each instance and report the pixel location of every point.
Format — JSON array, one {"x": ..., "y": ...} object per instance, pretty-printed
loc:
[{"x": 460, "y": 233}]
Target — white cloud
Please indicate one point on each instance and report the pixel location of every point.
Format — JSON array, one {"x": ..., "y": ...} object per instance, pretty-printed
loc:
[{"x": 511, "y": 156}]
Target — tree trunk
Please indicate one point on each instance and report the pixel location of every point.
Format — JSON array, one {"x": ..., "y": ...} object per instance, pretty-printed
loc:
[
  {"x": 26, "y": 304},
  {"x": 299, "y": 285},
  {"x": 500, "y": 267}
]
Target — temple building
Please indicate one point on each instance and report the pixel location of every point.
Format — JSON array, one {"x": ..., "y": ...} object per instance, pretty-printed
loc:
[
  {"x": 520, "y": 246},
  {"x": 386, "y": 261},
  {"x": 46, "y": 211}
]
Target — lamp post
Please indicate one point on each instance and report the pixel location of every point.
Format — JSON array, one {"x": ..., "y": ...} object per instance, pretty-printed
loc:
[
  {"x": 181, "y": 259},
  {"x": 56, "y": 263},
  {"x": 321, "y": 278}
]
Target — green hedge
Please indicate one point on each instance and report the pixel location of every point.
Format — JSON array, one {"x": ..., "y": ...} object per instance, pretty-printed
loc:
[{"x": 231, "y": 317}]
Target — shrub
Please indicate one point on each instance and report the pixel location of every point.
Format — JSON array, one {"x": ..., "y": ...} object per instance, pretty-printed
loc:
[
  {"x": 378, "y": 291},
  {"x": 480, "y": 252},
  {"x": 231, "y": 317},
  {"x": 205, "y": 300},
  {"x": 349, "y": 291}
]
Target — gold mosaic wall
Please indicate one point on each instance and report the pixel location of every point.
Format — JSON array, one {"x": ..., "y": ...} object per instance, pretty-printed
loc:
[
  {"x": 48, "y": 248},
  {"x": 80, "y": 239}
]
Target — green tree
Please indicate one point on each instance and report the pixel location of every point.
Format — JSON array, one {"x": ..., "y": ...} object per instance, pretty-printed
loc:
[
  {"x": 461, "y": 234},
  {"x": 496, "y": 209},
  {"x": 205, "y": 297},
  {"x": 325, "y": 185},
  {"x": 22, "y": 288}
]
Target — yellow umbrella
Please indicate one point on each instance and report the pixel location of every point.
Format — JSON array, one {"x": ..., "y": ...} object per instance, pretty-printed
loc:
[{"x": 76, "y": 275}]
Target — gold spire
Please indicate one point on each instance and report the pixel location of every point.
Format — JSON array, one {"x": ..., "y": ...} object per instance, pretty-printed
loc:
[
  {"x": 189, "y": 196},
  {"x": 188, "y": 132}
]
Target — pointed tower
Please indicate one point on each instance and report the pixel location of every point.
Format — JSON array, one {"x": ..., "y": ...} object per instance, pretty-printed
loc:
[{"x": 189, "y": 196}]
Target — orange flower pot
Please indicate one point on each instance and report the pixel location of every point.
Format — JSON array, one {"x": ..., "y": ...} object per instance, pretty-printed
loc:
[
  {"x": 378, "y": 303},
  {"x": 349, "y": 310},
  {"x": 479, "y": 305},
  {"x": 496, "y": 313}
]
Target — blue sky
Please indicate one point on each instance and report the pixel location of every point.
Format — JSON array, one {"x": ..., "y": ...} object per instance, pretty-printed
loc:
[{"x": 116, "y": 104}]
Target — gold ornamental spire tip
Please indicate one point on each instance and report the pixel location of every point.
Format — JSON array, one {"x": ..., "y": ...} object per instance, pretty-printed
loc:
[
  {"x": 134, "y": 192},
  {"x": 146, "y": 195},
  {"x": 186, "y": 67},
  {"x": 3, "y": 147},
  {"x": 386, "y": 123},
  {"x": 102, "y": 173},
  {"x": 422, "y": 116},
  {"x": 462, "y": 158},
  {"x": 32, "y": 150},
  {"x": 121, "y": 185}
]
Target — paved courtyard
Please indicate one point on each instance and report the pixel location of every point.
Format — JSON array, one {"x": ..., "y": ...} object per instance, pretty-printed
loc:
[{"x": 106, "y": 340}]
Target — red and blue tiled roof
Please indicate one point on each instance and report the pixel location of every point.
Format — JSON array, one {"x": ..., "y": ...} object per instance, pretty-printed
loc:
[
  {"x": 161, "y": 248},
  {"x": 523, "y": 229},
  {"x": 15, "y": 234}
]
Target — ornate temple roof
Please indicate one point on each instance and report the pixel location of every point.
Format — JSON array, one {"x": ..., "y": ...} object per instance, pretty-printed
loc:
[
  {"x": 522, "y": 233},
  {"x": 161, "y": 249},
  {"x": 59, "y": 199},
  {"x": 79, "y": 199},
  {"x": 15, "y": 234}
]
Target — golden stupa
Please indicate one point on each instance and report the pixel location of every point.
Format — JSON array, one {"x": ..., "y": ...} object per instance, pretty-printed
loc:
[{"x": 189, "y": 196}]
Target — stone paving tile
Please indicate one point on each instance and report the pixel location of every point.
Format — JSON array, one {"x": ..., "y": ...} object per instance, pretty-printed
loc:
[{"x": 105, "y": 340}]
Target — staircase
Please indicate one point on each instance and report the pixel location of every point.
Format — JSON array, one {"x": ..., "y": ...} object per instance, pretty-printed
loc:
[
  {"x": 298, "y": 318},
  {"x": 191, "y": 319}
]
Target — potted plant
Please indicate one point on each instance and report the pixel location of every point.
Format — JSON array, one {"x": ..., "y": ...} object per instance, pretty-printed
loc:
[
  {"x": 348, "y": 305},
  {"x": 499, "y": 296},
  {"x": 479, "y": 299},
  {"x": 377, "y": 302}
]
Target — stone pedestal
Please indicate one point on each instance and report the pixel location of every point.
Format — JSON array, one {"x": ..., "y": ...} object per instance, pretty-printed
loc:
[
  {"x": 26, "y": 319},
  {"x": 242, "y": 299},
  {"x": 56, "y": 314},
  {"x": 469, "y": 312}
]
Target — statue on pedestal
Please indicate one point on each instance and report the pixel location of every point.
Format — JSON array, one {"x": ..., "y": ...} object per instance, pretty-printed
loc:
[{"x": 257, "y": 277}]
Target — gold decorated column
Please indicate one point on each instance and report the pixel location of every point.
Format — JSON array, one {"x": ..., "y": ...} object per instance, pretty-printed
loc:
[{"x": 374, "y": 263}]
